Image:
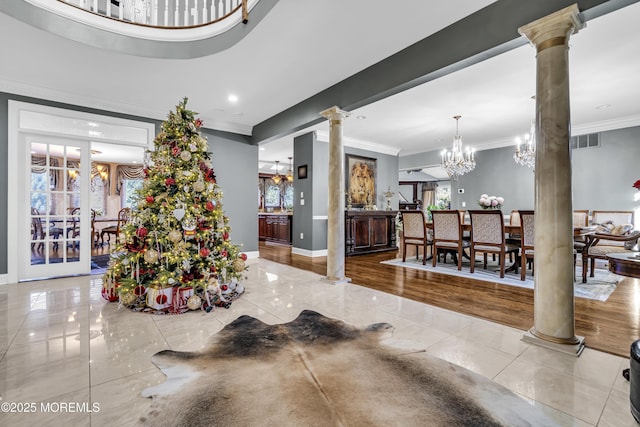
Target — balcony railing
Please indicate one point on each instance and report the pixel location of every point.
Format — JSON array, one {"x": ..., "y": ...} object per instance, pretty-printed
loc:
[{"x": 164, "y": 13}]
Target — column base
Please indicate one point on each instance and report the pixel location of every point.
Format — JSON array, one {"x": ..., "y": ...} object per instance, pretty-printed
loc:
[
  {"x": 336, "y": 280},
  {"x": 573, "y": 349}
]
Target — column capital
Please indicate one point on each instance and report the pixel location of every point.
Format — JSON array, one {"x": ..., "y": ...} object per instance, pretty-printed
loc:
[
  {"x": 335, "y": 113},
  {"x": 555, "y": 28}
]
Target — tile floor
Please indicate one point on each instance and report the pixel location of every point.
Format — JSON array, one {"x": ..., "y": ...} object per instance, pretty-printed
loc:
[{"x": 61, "y": 342}]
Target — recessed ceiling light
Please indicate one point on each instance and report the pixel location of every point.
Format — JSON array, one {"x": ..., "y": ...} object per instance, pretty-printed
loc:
[
  {"x": 361, "y": 117},
  {"x": 262, "y": 148},
  {"x": 232, "y": 98},
  {"x": 603, "y": 106}
]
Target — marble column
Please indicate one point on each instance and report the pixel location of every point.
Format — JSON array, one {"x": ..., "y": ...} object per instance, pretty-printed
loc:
[
  {"x": 554, "y": 314},
  {"x": 335, "y": 232}
]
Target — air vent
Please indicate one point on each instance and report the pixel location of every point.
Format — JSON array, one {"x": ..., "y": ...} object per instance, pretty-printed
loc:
[{"x": 585, "y": 141}]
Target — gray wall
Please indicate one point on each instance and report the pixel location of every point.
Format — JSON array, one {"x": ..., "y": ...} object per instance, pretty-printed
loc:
[
  {"x": 235, "y": 163},
  {"x": 602, "y": 176},
  {"x": 315, "y": 154},
  {"x": 302, "y": 221}
]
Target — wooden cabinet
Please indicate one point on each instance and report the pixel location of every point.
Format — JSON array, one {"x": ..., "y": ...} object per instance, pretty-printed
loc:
[
  {"x": 275, "y": 228},
  {"x": 370, "y": 231}
]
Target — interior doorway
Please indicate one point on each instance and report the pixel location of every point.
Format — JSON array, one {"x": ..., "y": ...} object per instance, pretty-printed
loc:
[{"x": 70, "y": 167}]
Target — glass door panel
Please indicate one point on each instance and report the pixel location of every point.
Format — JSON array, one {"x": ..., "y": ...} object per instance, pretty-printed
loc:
[{"x": 57, "y": 224}]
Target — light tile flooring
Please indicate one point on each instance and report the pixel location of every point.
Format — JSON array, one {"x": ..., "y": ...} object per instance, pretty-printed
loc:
[{"x": 61, "y": 342}]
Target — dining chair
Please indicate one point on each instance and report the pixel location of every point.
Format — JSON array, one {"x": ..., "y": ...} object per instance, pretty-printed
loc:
[
  {"x": 526, "y": 241},
  {"x": 414, "y": 232},
  {"x": 124, "y": 215},
  {"x": 487, "y": 237},
  {"x": 73, "y": 224},
  {"x": 37, "y": 233},
  {"x": 614, "y": 234},
  {"x": 447, "y": 234}
]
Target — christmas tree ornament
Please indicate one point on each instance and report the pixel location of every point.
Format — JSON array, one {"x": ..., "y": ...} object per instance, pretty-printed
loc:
[
  {"x": 175, "y": 236},
  {"x": 139, "y": 290},
  {"x": 127, "y": 298},
  {"x": 185, "y": 156},
  {"x": 186, "y": 188},
  {"x": 141, "y": 232},
  {"x": 179, "y": 213},
  {"x": 194, "y": 302},
  {"x": 149, "y": 199},
  {"x": 198, "y": 186},
  {"x": 189, "y": 225},
  {"x": 238, "y": 265},
  {"x": 151, "y": 256}
]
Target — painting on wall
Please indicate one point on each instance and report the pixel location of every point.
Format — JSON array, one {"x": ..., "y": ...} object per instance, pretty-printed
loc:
[{"x": 360, "y": 181}]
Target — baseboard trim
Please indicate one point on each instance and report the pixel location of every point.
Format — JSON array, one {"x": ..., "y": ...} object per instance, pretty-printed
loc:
[
  {"x": 4, "y": 279},
  {"x": 308, "y": 253}
]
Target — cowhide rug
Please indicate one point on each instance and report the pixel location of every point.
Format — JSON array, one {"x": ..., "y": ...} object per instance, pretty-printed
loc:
[{"x": 317, "y": 371}]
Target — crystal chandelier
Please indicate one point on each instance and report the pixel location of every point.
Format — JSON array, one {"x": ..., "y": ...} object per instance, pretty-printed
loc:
[
  {"x": 456, "y": 162},
  {"x": 526, "y": 155}
]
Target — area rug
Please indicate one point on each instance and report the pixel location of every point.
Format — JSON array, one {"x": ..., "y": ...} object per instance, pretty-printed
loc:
[
  {"x": 317, "y": 371},
  {"x": 597, "y": 288}
]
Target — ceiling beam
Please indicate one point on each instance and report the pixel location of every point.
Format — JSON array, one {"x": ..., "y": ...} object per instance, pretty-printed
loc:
[{"x": 486, "y": 33}]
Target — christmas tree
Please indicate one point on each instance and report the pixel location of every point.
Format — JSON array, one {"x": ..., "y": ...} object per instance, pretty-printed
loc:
[{"x": 174, "y": 254}]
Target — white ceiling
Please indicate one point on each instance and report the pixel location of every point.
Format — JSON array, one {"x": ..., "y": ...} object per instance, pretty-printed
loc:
[{"x": 301, "y": 48}]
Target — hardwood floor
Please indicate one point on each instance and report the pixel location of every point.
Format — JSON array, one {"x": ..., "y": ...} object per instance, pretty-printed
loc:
[{"x": 609, "y": 326}]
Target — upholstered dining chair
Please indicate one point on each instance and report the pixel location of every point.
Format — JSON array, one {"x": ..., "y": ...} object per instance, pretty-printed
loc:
[
  {"x": 447, "y": 234},
  {"x": 526, "y": 241},
  {"x": 487, "y": 237},
  {"x": 614, "y": 234},
  {"x": 414, "y": 232},
  {"x": 124, "y": 215}
]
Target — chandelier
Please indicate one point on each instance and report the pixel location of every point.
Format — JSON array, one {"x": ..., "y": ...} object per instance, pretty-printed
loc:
[
  {"x": 290, "y": 171},
  {"x": 526, "y": 156},
  {"x": 276, "y": 178},
  {"x": 456, "y": 162}
]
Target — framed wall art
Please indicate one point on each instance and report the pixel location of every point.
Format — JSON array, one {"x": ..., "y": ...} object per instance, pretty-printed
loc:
[{"x": 360, "y": 181}]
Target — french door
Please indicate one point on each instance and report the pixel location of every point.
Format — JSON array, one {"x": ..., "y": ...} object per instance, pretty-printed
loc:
[{"x": 54, "y": 220}]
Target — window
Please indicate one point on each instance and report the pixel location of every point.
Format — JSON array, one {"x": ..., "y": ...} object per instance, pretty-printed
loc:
[
  {"x": 129, "y": 192},
  {"x": 39, "y": 183},
  {"x": 272, "y": 196},
  {"x": 98, "y": 200},
  {"x": 288, "y": 197}
]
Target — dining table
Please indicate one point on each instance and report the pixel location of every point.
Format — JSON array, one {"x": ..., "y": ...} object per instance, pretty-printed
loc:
[{"x": 578, "y": 233}]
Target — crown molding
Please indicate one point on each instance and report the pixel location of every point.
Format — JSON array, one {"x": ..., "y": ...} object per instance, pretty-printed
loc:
[
  {"x": 49, "y": 94},
  {"x": 606, "y": 125},
  {"x": 363, "y": 145}
]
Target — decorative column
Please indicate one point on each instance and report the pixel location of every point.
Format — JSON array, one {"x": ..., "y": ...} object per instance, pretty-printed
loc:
[
  {"x": 554, "y": 314},
  {"x": 335, "y": 232}
]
